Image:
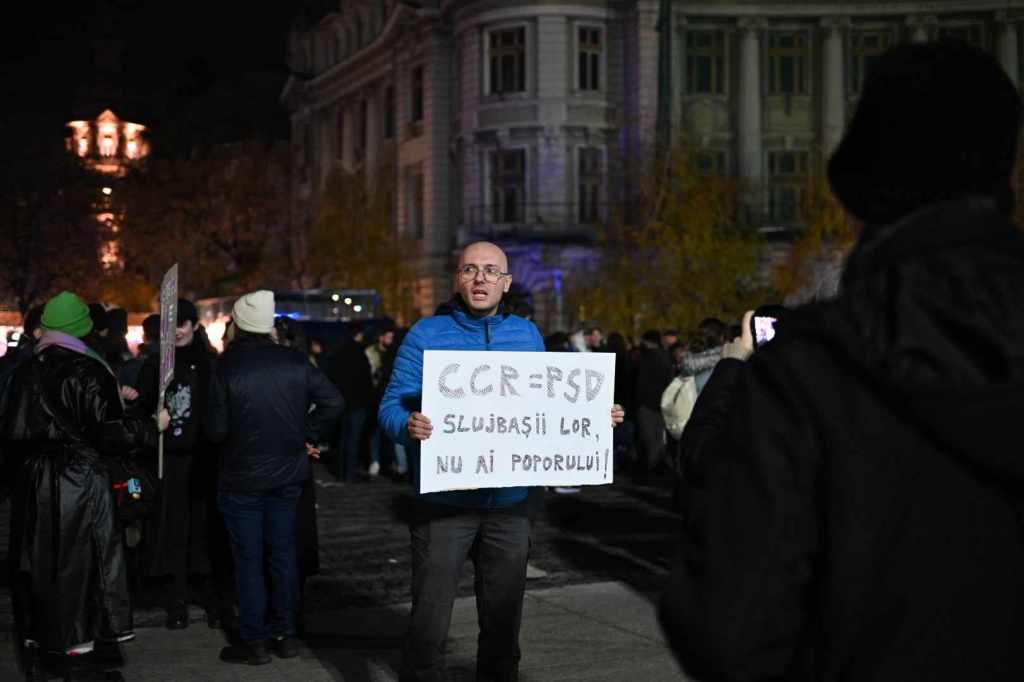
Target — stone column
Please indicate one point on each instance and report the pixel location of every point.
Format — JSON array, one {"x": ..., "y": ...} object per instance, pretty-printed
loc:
[
  {"x": 833, "y": 85},
  {"x": 749, "y": 138},
  {"x": 921, "y": 27},
  {"x": 348, "y": 137},
  {"x": 373, "y": 116},
  {"x": 1008, "y": 53}
]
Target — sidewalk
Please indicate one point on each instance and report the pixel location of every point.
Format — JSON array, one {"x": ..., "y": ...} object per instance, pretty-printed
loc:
[{"x": 602, "y": 631}]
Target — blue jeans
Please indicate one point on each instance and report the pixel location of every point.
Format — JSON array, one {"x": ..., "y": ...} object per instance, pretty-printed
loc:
[{"x": 253, "y": 519}]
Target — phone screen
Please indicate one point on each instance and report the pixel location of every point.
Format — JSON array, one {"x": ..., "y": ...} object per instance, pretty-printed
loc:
[{"x": 764, "y": 329}]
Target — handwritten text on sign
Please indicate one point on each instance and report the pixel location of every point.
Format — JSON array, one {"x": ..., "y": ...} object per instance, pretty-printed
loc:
[{"x": 516, "y": 419}]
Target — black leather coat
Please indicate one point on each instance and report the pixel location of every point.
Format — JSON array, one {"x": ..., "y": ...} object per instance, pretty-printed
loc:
[
  {"x": 260, "y": 400},
  {"x": 63, "y": 421}
]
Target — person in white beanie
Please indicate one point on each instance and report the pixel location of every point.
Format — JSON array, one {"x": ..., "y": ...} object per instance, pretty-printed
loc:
[
  {"x": 254, "y": 313},
  {"x": 260, "y": 400}
]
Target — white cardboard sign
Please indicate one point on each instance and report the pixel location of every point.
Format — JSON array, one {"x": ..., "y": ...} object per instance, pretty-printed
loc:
[{"x": 516, "y": 419}]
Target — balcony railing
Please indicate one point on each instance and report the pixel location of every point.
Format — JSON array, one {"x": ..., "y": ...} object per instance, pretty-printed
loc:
[{"x": 540, "y": 221}]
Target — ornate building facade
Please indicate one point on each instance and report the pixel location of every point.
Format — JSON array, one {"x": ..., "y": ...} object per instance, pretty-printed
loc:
[{"x": 528, "y": 122}]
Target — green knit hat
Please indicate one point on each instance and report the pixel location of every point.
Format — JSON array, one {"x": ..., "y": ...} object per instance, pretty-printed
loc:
[{"x": 66, "y": 313}]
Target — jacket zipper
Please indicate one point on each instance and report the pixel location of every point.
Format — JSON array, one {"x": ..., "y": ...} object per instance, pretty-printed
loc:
[{"x": 487, "y": 334}]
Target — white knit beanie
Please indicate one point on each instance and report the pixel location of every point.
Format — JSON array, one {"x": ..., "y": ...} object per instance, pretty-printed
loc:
[{"x": 254, "y": 312}]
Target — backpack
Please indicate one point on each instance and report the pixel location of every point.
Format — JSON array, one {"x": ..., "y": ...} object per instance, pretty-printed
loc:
[{"x": 677, "y": 403}]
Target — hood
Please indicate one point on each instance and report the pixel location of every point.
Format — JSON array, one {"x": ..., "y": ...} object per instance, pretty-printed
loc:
[{"x": 930, "y": 308}]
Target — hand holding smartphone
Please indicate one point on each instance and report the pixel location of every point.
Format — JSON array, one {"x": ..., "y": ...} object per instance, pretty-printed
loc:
[{"x": 763, "y": 324}]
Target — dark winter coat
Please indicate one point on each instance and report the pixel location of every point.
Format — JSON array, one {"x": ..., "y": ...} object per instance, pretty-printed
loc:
[
  {"x": 63, "y": 419},
  {"x": 349, "y": 369},
  {"x": 653, "y": 375},
  {"x": 259, "y": 409},
  {"x": 858, "y": 483},
  {"x": 175, "y": 537}
]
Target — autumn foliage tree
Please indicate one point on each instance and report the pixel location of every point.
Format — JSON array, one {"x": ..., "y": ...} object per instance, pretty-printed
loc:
[
  {"x": 222, "y": 215},
  {"x": 685, "y": 259},
  {"x": 49, "y": 237},
  {"x": 355, "y": 242},
  {"x": 815, "y": 258}
]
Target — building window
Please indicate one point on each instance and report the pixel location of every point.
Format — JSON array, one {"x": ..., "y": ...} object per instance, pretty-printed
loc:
[
  {"x": 590, "y": 51},
  {"x": 589, "y": 181},
  {"x": 866, "y": 47},
  {"x": 787, "y": 63},
  {"x": 705, "y": 62},
  {"x": 108, "y": 146},
  {"x": 415, "y": 216},
  {"x": 787, "y": 184},
  {"x": 389, "y": 113},
  {"x": 83, "y": 146},
  {"x": 968, "y": 33},
  {"x": 508, "y": 185},
  {"x": 417, "y": 94},
  {"x": 507, "y": 59}
]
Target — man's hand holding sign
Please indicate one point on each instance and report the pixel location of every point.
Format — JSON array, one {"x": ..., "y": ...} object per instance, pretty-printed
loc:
[{"x": 515, "y": 419}]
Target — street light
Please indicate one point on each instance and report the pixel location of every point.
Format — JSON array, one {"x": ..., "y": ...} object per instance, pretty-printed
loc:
[
  {"x": 358, "y": 308},
  {"x": 335, "y": 297},
  {"x": 348, "y": 301},
  {"x": 108, "y": 191}
]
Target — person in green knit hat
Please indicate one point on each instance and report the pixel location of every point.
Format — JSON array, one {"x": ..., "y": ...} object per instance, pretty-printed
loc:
[
  {"x": 68, "y": 314},
  {"x": 63, "y": 420}
]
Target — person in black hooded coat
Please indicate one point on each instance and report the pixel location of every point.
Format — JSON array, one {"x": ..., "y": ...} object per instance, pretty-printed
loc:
[
  {"x": 176, "y": 537},
  {"x": 858, "y": 494}
]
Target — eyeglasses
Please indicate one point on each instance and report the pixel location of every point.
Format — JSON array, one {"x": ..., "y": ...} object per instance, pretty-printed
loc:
[{"x": 492, "y": 273}]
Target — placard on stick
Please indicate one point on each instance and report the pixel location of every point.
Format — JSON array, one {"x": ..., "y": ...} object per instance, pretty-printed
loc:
[
  {"x": 168, "y": 325},
  {"x": 517, "y": 419}
]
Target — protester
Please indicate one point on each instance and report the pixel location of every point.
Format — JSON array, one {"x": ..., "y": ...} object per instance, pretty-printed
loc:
[
  {"x": 859, "y": 511},
  {"x": 64, "y": 422},
  {"x": 260, "y": 409},
  {"x": 348, "y": 367},
  {"x": 588, "y": 339},
  {"x": 377, "y": 354},
  {"x": 30, "y": 334},
  {"x": 118, "y": 351},
  {"x": 447, "y": 525},
  {"x": 624, "y": 436},
  {"x": 653, "y": 374},
  {"x": 704, "y": 352},
  {"x": 175, "y": 542},
  {"x": 128, "y": 373}
]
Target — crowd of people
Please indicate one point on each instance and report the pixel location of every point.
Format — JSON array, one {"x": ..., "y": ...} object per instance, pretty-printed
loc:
[{"x": 850, "y": 495}]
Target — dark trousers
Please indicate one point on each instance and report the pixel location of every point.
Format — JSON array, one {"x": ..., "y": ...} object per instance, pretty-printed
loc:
[
  {"x": 253, "y": 519},
  {"x": 498, "y": 541},
  {"x": 651, "y": 428},
  {"x": 352, "y": 428}
]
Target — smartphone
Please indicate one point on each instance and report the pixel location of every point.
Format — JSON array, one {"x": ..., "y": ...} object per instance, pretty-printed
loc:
[{"x": 764, "y": 324}]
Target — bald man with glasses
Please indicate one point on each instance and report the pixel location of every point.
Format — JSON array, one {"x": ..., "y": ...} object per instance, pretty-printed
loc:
[{"x": 491, "y": 526}]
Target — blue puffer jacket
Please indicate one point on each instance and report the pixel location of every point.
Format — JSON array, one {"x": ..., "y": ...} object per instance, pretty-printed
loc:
[{"x": 456, "y": 331}]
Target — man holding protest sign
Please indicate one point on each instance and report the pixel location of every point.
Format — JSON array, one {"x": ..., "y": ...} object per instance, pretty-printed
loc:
[{"x": 489, "y": 524}]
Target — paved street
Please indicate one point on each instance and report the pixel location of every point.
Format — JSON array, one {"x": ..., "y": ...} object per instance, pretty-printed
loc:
[{"x": 597, "y": 563}]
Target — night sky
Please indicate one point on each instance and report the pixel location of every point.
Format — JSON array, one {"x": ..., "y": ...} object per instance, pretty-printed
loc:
[{"x": 195, "y": 72}]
